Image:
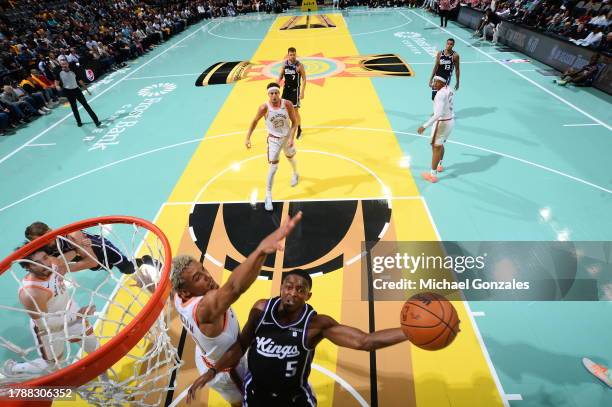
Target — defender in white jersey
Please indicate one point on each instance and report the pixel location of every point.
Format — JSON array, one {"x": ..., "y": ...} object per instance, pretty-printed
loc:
[
  {"x": 281, "y": 122},
  {"x": 205, "y": 312},
  {"x": 55, "y": 316},
  {"x": 443, "y": 121}
]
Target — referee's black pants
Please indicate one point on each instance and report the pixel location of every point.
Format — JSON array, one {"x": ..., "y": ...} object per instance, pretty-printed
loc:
[{"x": 75, "y": 94}]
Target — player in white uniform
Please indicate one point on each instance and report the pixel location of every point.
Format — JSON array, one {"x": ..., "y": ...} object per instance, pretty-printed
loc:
[
  {"x": 282, "y": 123},
  {"x": 205, "y": 311},
  {"x": 55, "y": 317},
  {"x": 443, "y": 120}
]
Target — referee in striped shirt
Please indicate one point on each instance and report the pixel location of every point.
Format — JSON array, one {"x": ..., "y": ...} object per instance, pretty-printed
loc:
[{"x": 69, "y": 83}]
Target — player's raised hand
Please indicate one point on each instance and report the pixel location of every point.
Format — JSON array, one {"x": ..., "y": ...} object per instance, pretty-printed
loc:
[
  {"x": 272, "y": 242},
  {"x": 198, "y": 384}
]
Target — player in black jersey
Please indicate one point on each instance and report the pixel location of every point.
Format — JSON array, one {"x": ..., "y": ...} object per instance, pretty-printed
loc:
[
  {"x": 281, "y": 335},
  {"x": 446, "y": 62},
  {"x": 295, "y": 83},
  {"x": 86, "y": 251}
]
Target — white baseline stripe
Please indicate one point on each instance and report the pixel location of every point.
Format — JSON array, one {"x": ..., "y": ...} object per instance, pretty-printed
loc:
[
  {"x": 213, "y": 260},
  {"x": 345, "y": 385},
  {"x": 534, "y": 83},
  {"x": 41, "y": 145},
  {"x": 513, "y": 397},
  {"x": 479, "y": 314},
  {"x": 484, "y": 349},
  {"x": 45, "y": 131},
  {"x": 311, "y": 127},
  {"x": 361, "y": 198},
  {"x": 581, "y": 124},
  {"x": 162, "y": 76},
  {"x": 462, "y": 62},
  {"x": 354, "y": 259},
  {"x": 96, "y": 170}
]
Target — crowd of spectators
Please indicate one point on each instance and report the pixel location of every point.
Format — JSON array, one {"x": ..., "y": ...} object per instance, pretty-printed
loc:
[
  {"x": 35, "y": 35},
  {"x": 583, "y": 22}
]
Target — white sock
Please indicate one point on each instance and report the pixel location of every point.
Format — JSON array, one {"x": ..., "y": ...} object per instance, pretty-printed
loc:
[
  {"x": 440, "y": 163},
  {"x": 433, "y": 172},
  {"x": 293, "y": 163},
  {"x": 35, "y": 366},
  {"x": 271, "y": 172}
]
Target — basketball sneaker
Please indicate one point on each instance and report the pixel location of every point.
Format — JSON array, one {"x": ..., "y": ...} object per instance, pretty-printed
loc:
[
  {"x": 599, "y": 371},
  {"x": 295, "y": 179},
  {"x": 429, "y": 177},
  {"x": 268, "y": 203}
]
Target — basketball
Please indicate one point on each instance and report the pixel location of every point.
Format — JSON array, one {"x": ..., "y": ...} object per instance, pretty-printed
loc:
[{"x": 430, "y": 321}]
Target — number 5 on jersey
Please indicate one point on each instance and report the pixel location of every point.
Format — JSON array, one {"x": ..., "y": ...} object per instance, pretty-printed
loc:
[{"x": 291, "y": 368}]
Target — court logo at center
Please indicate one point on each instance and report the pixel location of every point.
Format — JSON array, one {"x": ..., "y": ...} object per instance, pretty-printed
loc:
[
  {"x": 318, "y": 67},
  {"x": 157, "y": 89}
]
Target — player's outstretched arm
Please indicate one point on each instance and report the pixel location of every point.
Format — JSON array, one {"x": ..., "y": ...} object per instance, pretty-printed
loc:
[
  {"x": 83, "y": 249},
  {"x": 232, "y": 356},
  {"x": 353, "y": 338},
  {"x": 261, "y": 112},
  {"x": 217, "y": 302}
]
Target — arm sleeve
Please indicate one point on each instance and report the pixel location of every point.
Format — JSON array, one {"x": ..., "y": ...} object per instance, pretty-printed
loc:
[{"x": 437, "y": 111}]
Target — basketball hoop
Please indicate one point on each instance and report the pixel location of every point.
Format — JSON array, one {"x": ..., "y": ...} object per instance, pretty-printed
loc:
[{"x": 132, "y": 329}]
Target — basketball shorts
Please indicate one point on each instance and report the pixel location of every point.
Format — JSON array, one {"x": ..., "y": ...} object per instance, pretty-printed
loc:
[
  {"x": 276, "y": 144},
  {"x": 440, "y": 131},
  {"x": 229, "y": 386},
  {"x": 293, "y": 95},
  {"x": 51, "y": 344},
  {"x": 257, "y": 398}
]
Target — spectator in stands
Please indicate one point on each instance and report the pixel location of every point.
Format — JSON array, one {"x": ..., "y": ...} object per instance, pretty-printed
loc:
[
  {"x": 488, "y": 24},
  {"x": 5, "y": 120},
  {"x": 44, "y": 82},
  {"x": 34, "y": 89},
  {"x": 23, "y": 107},
  {"x": 36, "y": 99},
  {"x": 582, "y": 77},
  {"x": 591, "y": 40},
  {"x": 446, "y": 8},
  {"x": 73, "y": 57}
]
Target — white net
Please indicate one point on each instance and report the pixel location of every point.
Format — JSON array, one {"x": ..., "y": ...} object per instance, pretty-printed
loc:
[{"x": 74, "y": 295}]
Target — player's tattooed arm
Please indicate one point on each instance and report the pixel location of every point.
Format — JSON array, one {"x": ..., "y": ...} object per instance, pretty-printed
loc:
[
  {"x": 261, "y": 112},
  {"x": 232, "y": 356},
  {"x": 216, "y": 302},
  {"x": 353, "y": 338}
]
